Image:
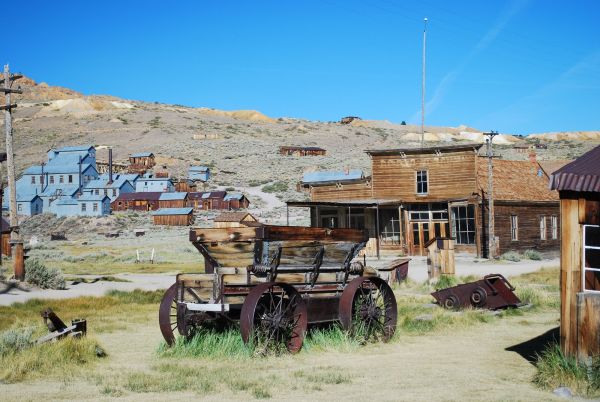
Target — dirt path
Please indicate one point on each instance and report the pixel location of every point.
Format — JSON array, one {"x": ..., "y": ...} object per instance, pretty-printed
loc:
[{"x": 464, "y": 364}]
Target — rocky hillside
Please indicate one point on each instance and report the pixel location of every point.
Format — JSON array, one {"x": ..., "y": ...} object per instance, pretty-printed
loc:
[{"x": 240, "y": 146}]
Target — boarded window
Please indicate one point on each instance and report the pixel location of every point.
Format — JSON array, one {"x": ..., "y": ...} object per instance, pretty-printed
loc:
[
  {"x": 51, "y": 179},
  {"x": 83, "y": 207},
  {"x": 422, "y": 184},
  {"x": 32, "y": 179},
  {"x": 463, "y": 218},
  {"x": 514, "y": 227},
  {"x": 542, "y": 227},
  {"x": 95, "y": 207},
  {"x": 554, "y": 227},
  {"x": 591, "y": 258},
  {"x": 61, "y": 179}
]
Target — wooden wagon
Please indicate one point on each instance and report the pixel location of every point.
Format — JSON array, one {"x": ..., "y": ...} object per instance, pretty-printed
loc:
[{"x": 275, "y": 281}]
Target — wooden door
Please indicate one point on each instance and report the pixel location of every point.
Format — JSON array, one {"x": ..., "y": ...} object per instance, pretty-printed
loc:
[{"x": 420, "y": 234}]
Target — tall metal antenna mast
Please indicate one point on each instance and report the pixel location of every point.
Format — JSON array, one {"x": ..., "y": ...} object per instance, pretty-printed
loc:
[{"x": 423, "y": 84}]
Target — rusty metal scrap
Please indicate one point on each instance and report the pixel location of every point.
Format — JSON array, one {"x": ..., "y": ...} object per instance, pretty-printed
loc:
[
  {"x": 493, "y": 292},
  {"x": 58, "y": 329}
]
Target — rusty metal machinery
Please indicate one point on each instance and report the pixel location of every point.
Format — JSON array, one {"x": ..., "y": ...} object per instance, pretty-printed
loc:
[
  {"x": 275, "y": 281},
  {"x": 492, "y": 292},
  {"x": 58, "y": 329}
]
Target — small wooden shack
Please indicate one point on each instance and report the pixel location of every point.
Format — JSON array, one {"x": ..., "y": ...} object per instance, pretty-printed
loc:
[
  {"x": 301, "y": 151},
  {"x": 173, "y": 200},
  {"x": 235, "y": 220},
  {"x": 140, "y": 162},
  {"x": 578, "y": 185},
  {"x": 185, "y": 185},
  {"x": 440, "y": 257},
  {"x": 5, "y": 246},
  {"x": 173, "y": 216}
]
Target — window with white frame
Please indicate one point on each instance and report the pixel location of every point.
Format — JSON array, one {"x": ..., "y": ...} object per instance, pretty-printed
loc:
[
  {"x": 591, "y": 258},
  {"x": 463, "y": 224},
  {"x": 422, "y": 182},
  {"x": 83, "y": 207},
  {"x": 554, "y": 226},
  {"x": 95, "y": 207},
  {"x": 514, "y": 227},
  {"x": 543, "y": 227},
  {"x": 61, "y": 179}
]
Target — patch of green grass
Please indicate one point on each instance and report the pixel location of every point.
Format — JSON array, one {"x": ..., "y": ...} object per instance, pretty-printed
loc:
[
  {"x": 555, "y": 369},
  {"x": 208, "y": 344},
  {"x": 61, "y": 359},
  {"x": 276, "y": 187}
]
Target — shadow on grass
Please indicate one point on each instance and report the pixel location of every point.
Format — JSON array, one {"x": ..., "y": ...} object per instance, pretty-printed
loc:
[{"x": 530, "y": 350}]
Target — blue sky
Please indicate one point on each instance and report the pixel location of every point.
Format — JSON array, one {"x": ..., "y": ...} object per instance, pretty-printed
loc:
[{"x": 517, "y": 66}]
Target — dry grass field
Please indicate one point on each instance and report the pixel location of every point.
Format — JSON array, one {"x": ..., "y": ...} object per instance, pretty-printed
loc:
[{"x": 435, "y": 355}]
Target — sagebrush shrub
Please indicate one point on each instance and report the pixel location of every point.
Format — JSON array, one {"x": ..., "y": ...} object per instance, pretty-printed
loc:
[{"x": 38, "y": 274}]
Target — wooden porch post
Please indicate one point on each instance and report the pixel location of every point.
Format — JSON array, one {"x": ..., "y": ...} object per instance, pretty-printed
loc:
[{"x": 377, "y": 229}]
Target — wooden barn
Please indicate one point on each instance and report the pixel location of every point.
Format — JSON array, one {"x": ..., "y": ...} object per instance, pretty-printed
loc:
[
  {"x": 173, "y": 200},
  {"x": 578, "y": 185},
  {"x": 235, "y": 220},
  {"x": 415, "y": 194},
  {"x": 5, "y": 241},
  {"x": 141, "y": 162},
  {"x": 144, "y": 201},
  {"x": 301, "y": 151},
  {"x": 173, "y": 216}
]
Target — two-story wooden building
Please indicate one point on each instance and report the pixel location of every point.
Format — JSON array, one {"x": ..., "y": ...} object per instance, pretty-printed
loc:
[{"x": 415, "y": 194}]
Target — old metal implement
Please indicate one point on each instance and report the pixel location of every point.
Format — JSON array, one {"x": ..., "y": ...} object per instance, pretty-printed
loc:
[
  {"x": 492, "y": 292},
  {"x": 275, "y": 281},
  {"x": 58, "y": 329}
]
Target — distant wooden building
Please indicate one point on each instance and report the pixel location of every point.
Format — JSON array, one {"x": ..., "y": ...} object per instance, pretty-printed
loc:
[
  {"x": 578, "y": 185},
  {"x": 173, "y": 216},
  {"x": 301, "y": 151},
  {"x": 235, "y": 220},
  {"x": 141, "y": 162},
  {"x": 173, "y": 200},
  {"x": 5, "y": 241},
  {"x": 523, "y": 148},
  {"x": 207, "y": 200},
  {"x": 415, "y": 194},
  {"x": 144, "y": 201},
  {"x": 185, "y": 185},
  {"x": 236, "y": 201}
]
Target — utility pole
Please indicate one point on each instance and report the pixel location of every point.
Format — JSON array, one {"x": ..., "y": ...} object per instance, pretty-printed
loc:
[
  {"x": 423, "y": 84},
  {"x": 15, "y": 238},
  {"x": 490, "y": 155}
]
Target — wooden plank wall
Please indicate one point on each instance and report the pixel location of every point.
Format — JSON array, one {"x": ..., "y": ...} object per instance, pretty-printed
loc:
[
  {"x": 173, "y": 220},
  {"x": 588, "y": 328},
  {"x": 394, "y": 177},
  {"x": 341, "y": 192},
  {"x": 529, "y": 227}
]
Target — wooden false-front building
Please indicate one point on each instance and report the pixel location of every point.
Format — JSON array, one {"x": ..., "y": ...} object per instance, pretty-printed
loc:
[
  {"x": 173, "y": 216},
  {"x": 415, "y": 194},
  {"x": 578, "y": 185}
]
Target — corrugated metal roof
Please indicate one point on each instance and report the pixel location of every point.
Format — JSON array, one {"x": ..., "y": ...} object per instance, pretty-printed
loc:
[
  {"x": 142, "y": 155},
  {"x": 425, "y": 150},
  {"x": 206, "y": 195},
  {"x": 58, "y": 168},
  {"x": 583, "y": 174},
  {"x": 142, "y": 196},
  {"x": 74, "y": 148},
  {"x": 173, "y": 211},
  {"x": 233, "y": 196},
  {"x": 232, "y": 216},
  {"x": 65, "y": 190},
  {"x": 198, "y": 169},
  {"x": 173, "y": 196},
  {"x": 333, "y": 176},
  {"x": 92, "y": 197},
  {"x": 515, "y": 181}
]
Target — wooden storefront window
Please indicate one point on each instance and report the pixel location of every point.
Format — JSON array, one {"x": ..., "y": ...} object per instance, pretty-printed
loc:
[
  {"x": 463, "y": 219},
  {"x": 422, "y": 182},
  {"x": 543, "y": 227},
  {"x": 514, "y": 228},
  {"x": 591, "y": 258}
]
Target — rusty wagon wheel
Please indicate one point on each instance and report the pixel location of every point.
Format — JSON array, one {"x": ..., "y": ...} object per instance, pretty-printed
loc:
[
  {"x": 274, "y": 317},
  {"x": 478, "y": 297},
  {"x": 368, "y": 309},
  {"x": 451, "y": 302},
  {"x": 167, "y": 315}
]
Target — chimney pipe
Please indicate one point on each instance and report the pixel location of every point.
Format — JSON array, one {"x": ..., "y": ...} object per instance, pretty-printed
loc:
[
  {"x": 79, "y": 191},
  {"x": 110, "y": 167}
]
